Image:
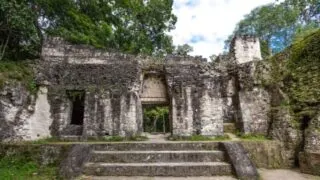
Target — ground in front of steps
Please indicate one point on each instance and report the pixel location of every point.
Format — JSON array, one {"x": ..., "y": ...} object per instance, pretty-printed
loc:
[{"x": 266, "y": 174}]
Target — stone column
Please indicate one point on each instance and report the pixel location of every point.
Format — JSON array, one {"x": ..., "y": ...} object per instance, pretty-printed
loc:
[
  {"x": 211, "y": 109},
  {"x": 182, "y": 113}
]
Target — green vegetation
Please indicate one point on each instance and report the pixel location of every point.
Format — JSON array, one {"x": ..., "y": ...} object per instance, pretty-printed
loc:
[
  {"x": 198, "y": 138},
  {"x": 52, "y": 140},
  {"x": 23, "y": 163},
  {"x": 296, "y": 73},
  {"x": 183, "y": 50},
  {"x": 278, "y": 24},
  {"x": 12, "y": 71},
  {"x": 120, "y": 138},
  {"x": 253, "y": 137},
  {"x": 156, "y": 119},
  {"x": 18, "y": 167},
  {"x": 132, "y": 26}
]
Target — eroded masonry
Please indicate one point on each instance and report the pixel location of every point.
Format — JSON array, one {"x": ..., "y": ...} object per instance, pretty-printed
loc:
[{"x": 88, "y": 92}]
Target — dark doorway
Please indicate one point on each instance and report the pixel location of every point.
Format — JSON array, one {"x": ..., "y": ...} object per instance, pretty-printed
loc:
[
  {"x": 77, "y": 99},
  {"x": 156, "y": 118}
]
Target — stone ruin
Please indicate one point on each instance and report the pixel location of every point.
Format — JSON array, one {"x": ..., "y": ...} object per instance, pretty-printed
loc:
[
  {"x": 85, "y": 92},
  {"x": 88, "y": 92}
]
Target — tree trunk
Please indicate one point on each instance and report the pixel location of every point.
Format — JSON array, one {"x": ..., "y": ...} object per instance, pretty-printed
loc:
[
  {"x": 164, "y": 124},
  {"x": 37, "y": 25},
  {"x": 3, "y": 47},
  {"x": 155, "y": 124}
]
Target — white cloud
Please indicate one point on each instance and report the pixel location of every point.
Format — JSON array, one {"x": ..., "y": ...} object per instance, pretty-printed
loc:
[{"x": 205, "y": 24}]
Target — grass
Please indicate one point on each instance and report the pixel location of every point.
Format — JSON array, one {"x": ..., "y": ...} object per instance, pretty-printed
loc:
[
  {"x": 120, "y": 138},
  {"x": 253, "y": 137},
  {"x": 17, "y": 71},
  {"x": 22, "y": 166},
  {"x": 51, "y": 140},
  {"x": 198, "y": 138}
]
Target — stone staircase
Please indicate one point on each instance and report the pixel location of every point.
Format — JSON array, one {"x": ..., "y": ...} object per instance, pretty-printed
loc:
[{"x": 158, "y": 159}]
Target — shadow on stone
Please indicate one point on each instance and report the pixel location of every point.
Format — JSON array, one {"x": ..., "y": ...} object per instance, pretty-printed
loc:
[{"x": 243, "y": 166}]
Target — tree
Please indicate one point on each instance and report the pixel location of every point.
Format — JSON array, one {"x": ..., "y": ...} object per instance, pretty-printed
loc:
[
  {"x": 156, "y": 119},
  {"x": 132, "y": 26},
  {"x": 309, "y": 9},
  {"x": 18, "y": 33},
  {"x": 277, "y": 24},
  {"x": 183, "y": 50}
]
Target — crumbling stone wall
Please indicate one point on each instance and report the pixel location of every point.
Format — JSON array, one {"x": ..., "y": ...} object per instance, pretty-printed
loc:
[
  {"x": 111, "y": 82},
  {"x": 254, "y": 100},
  {"x": 245, "y": 100},
  {"x": 22, "y": 115},
  {"x": 196, "y": 101},
  {"x": 201, "y": 95}
]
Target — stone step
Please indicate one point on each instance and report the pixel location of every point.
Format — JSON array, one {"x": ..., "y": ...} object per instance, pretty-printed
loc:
[
  {"x": 181, "y": 169},
  {"x": 229, "y": 127},
  {"x": 157, "y": 156},
  {"x": 70, "y": 138},
  {"x": 157, "y": 178},
  {"x": 167, "y": 146}
]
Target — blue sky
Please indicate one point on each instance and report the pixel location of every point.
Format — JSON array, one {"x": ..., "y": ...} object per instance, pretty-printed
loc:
[{"x": 205, "y": 24}]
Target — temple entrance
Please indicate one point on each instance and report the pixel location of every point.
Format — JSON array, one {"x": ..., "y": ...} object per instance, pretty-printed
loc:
[
  {"x": 155, "y": 104},
  {"x": 76, "y": 108},
  {"x": 77, "y": 113},
  {"x": 156, "y": 119}
]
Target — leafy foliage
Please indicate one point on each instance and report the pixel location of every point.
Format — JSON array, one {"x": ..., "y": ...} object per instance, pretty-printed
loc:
[
  {"x": 156, "y": 119},
  {"x": 183, "y": 50},
  {"x": 18, "y": 33},
  {"x": 133, "y": 26},
  {"x": 277, "y": 24}
]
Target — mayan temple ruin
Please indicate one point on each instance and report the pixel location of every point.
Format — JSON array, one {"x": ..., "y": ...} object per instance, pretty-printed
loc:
[
  {"x": 88, "y": 92},
  {"x": 85, "y": 93}
]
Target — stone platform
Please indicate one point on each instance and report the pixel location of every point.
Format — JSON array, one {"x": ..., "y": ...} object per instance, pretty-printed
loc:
[{"x": 176, "y": 159}]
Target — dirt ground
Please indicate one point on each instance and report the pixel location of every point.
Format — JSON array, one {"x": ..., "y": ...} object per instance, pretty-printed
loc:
[
  {"x": 285, "y": 174},
  {"x": 265, "y": 174}
]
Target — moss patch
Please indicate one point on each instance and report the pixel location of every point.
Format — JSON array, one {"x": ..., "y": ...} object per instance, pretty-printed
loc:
[
  {"x": 295, "y": 73},
  {"x": 17, "y": 71},
  {"x": 267, "y": 154},
  {"x": 253, "y": 137},
  {"x": 55, "y": 140},
  {"x": 30, "y": 161},
  {"x": 198, "y": 138}
]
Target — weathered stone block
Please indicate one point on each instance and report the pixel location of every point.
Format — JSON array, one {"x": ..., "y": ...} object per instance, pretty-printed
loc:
[{"x": 309, "y": 162}]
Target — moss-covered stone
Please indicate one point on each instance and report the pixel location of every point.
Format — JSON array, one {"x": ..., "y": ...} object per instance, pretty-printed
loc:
[
  {"x": 296, "y": 74},
  {"x": 28, "y": 161},
  {"x": 17, "y": 71},
  {"x": 310, "y": 163},
  {"x": 267, "y": 154}
]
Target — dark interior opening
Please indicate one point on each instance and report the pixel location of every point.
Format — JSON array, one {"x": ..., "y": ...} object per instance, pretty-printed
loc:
[
  {"x": 305, "y": 120},
  {"x": 77, "y": 99},
  {"x": 305, "y": 123},
  {"x": 156, "y": 118}
]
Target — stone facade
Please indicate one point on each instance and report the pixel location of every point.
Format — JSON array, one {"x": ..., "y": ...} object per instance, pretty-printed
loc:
[{"x": 108, "y": 90}]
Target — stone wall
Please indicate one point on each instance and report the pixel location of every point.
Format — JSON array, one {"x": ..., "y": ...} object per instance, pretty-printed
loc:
[
  {"x": 309, "y": 159},
  {"x": 246, "y": 49},
  {"x": 254, "y": 100},
  {"x": 111, "y": 82},
  {"x": 201, "y": 95},
  {"x": 24, "y": 116},
  {"x": 154, "y": 89}
]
